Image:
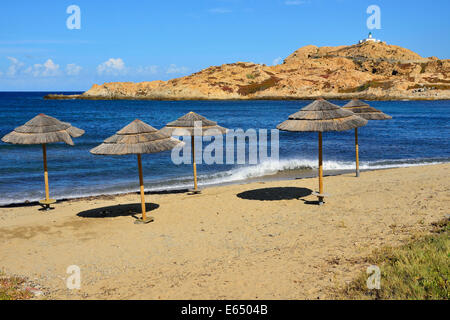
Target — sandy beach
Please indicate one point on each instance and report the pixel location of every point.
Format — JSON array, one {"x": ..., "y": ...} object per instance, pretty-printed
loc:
[{"x": 264, "y": 240}]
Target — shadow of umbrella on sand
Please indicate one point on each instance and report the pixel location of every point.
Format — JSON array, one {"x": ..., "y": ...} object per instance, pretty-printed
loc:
[
  {"x": 367, "y": 112},
  {"x": 320, "y": 116},
  {"x": 193, "y": 124},
  {"x": 275, "y": 194},
  {"x": 43, "y": 130},
  {"x": 137, "y": 138},
  {"x": 116, "y": 210}
]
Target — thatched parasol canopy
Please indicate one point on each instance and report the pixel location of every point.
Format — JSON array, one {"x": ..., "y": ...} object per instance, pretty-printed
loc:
[
  {"x": 193, "y": 124},
  {"x": 189, "y": 123},
  {"x": 320, "y": 116},
  {"x": 43, "y": 129},
  {"x": 365, "y": 111},
  {"x": 137, "y": 138}
]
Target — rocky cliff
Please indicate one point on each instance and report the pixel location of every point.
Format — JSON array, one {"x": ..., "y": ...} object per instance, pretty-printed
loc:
[{"x": 368, "y": 71}]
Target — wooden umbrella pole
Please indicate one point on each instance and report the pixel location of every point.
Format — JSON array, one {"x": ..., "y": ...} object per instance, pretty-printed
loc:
[
  {"x": 141, "y": 183},
  {"x": 193, "y": 161},
  {"x": 44, "y": 154},
  {"x": 320, "y": 170},
  {"x": 357, "y": 152}
]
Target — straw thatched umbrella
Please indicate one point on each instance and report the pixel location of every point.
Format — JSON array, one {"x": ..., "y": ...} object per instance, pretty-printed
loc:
[
  {"x": 43, "y": 130},
  {"x": 137, "y": 138},
  {"x": 367, "y": 112},
  {"x": 193, "y": 124},
  {"x": 321, "y": 116}
]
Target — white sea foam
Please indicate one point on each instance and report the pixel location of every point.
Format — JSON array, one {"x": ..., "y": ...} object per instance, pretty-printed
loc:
[{"x": 272, "y": 168}]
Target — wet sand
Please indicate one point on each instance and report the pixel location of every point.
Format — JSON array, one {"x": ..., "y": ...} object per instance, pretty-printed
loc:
[{"x": 262, "y": 240}]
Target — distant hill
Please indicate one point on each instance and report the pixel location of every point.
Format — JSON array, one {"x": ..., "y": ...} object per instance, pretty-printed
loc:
[{"x": 369, "y": 71}]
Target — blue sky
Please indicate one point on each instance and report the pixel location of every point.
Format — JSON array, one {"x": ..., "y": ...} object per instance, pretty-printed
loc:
[{"x": 138, "y": 40}]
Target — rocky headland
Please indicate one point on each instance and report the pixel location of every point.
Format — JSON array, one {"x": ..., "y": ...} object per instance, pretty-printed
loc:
[{"x": 371, "y": 71}]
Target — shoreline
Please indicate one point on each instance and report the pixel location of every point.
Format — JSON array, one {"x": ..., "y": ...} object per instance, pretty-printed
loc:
[
  {"x": 275, "y": 98},
  {"x": 280, "y": 176},
  {"x": 175, "y": 190}
]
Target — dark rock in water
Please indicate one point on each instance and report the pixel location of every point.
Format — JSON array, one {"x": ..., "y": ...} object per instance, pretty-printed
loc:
[{"x": 62, "y": 96}]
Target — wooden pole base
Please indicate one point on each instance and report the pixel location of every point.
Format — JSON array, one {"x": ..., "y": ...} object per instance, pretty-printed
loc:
[
  {"x": 320, "y": 197},
  {"x": 146, "y": 221},
  {"x": 45, "y": 204}
]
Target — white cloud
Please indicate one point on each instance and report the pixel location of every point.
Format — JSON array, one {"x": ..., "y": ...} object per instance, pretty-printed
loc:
[
  {"x": 294, "y": 2},
  {"x": 112, "y": 66},
  {"x": 15, "y": 66},
  {"x": 277, "y": 61},
  {"x": 73, "y": 70},
  {"x": 48, "y": 69},
  {"x": 174, "y": 69},
  {"x": 147, "y": 70},
  {"x": 219, "y": 10},
  {"x": 117, "y": 67}
]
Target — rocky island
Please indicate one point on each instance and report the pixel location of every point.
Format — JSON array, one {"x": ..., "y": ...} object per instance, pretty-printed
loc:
[{"x": 368, "y": 70}]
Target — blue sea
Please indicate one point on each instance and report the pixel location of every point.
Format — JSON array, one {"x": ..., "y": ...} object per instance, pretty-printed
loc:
[{"x": 418, "y": 134}]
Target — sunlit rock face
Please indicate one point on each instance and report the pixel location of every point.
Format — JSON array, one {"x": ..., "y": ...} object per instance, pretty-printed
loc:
[{"x": 369, "y": 70}]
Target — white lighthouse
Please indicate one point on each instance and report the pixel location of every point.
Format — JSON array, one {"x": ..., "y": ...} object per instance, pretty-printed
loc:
[{"x": 369, "y": 38}]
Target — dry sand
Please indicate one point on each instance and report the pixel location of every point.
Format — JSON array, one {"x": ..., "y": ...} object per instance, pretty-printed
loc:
[{"x": 250, "y": 241}]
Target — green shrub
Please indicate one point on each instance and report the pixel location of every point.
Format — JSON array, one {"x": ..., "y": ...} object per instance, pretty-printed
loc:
[{"x": 419, "y": 270}]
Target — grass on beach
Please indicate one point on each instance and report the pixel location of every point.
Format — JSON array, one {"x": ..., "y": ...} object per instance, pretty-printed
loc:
[
  {"x": 418, "y": 270},
  {"x": 11, "y": 288}
]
